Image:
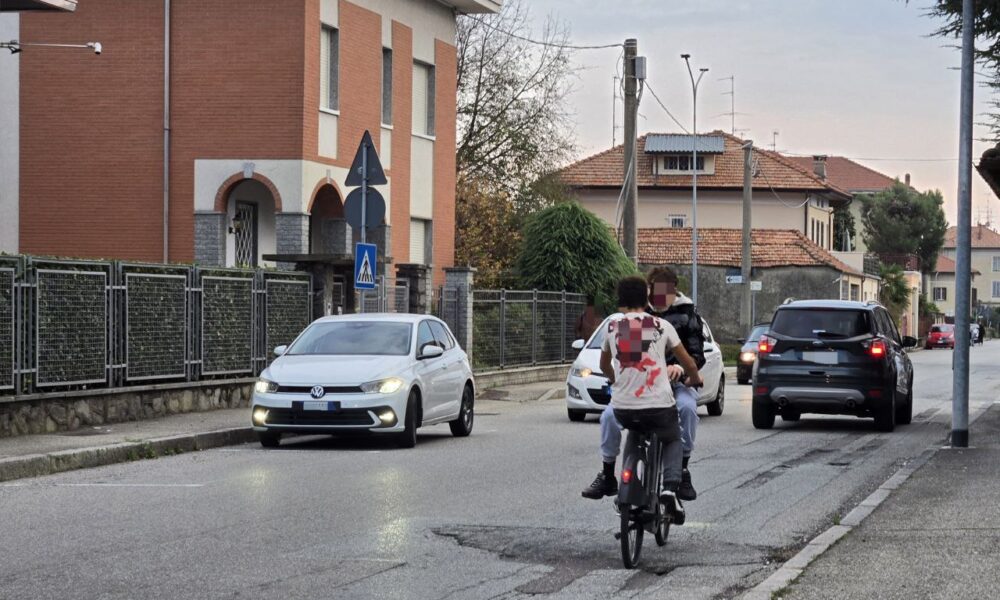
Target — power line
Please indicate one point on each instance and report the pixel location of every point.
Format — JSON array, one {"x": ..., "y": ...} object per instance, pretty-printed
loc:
[
  {"x": 665, "y": 109},
  {"x": 537, "y": 42}
]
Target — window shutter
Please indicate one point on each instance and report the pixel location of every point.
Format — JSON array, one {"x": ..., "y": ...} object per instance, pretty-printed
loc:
[
  {"x": 324, "y": 68},
  {"x": 417, "y": 241}
]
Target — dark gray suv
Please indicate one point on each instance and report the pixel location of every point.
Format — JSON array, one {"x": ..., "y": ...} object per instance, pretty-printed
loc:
[{"x": 833, "y": 357}]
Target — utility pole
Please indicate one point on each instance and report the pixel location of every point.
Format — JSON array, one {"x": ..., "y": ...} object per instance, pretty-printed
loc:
[
  {"x": 745, "y": 311},
  {"x": 631, "y": 208},
  {"x": 963, "y": 266}
]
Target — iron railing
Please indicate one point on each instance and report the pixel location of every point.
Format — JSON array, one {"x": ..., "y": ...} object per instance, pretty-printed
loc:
[{"x": 70, "y": 325}]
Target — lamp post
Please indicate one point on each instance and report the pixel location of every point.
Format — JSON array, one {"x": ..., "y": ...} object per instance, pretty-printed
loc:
[
  {"x": 694, "y": 180},
  {"x": 16, "y": 46}
]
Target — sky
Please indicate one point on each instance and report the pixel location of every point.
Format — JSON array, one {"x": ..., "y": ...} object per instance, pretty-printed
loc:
[{"x": 855, "y": 78}]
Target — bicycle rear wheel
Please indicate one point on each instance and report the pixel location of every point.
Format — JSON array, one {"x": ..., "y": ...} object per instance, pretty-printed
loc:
[{"x": 631, "y": 539}]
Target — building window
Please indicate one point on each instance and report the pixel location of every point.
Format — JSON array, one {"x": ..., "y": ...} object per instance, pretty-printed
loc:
[
  {"x": 386, "y": 86},
  {"x": 682, "y": 163},
  {"x": 677, "y": 220},
  {"x": 329, "y": 65},
  {"x": 423, "y": 99},
  {"x": 855, "y": 292},
  {"x": 996, "y": 289},
  {"x": 940, "y": 294},
  {"x": 996, "y": 264},
  {"x": 421, "y": 238}
]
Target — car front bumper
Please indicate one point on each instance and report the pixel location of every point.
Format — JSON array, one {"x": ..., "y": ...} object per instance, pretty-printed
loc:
[
  {"x": 586, "y": 393},
  {"x": 377, "y": 413}
]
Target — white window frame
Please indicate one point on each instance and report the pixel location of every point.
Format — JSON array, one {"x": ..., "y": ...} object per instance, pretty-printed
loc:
[
  {"x": 940, "y": 294},
  {"x": 996, "y": 289},
  {"x": 996, "y": 264},
  {"x": 424, "y": 125},
  {"x": 671, "y": 221},
  {"x": 682, "y": 164}
]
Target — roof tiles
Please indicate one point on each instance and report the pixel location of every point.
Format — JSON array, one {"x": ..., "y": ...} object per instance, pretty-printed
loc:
[
  {"x": 982, "y": 237},
  {"x": 847, "y": 174}
]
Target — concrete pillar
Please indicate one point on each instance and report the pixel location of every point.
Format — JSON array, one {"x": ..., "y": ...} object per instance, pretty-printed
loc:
[
  {"x": 335, "y": 237},
  {"x": 291, "y": 232},
  {"x": 461, "y": 279},
  {"x": 210, "y": 238},
  {"x": 421, "y": 286}
]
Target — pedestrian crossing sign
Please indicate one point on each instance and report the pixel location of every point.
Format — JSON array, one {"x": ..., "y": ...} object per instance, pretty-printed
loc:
[{"x": 364, "y": 266}]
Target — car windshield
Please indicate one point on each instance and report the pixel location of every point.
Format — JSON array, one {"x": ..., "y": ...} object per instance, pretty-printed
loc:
[
  {"x": 825, "y": 323},
  {"x": 942, "y": 329},
  {"x": 354, "y": 338},
  {"x": 598, "y": 339},
  {"x": 757, "y": 332}
]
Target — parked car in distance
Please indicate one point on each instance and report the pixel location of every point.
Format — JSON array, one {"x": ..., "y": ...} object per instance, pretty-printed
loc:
[
  {"x": 940, "y": 336},
  {"x": 833, "y": 357},
  {"x": 383, "y": 374},
  {"x": 588, "y": 392},
  {"x": 748, "y": 353}
]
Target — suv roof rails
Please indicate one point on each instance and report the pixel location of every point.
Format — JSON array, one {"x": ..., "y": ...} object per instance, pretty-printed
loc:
[{"x": 788, "y": 300}]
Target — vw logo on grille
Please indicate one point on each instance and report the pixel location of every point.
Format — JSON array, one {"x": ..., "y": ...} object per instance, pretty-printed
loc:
[{"x": 317, "y": 391}]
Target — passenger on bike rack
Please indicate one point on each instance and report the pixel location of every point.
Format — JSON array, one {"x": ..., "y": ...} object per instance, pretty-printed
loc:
[
  {"x": 666, "y": 302},
  {"x": 641, "y": 394}
]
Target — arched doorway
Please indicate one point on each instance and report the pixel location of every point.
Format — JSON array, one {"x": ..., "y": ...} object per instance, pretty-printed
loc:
[
  {"x": 328, "y": 232},
  {"x": 250, "y": 208}
]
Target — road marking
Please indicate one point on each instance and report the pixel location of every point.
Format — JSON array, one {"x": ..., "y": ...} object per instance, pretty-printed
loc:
[{"x": 150, "y": 485}]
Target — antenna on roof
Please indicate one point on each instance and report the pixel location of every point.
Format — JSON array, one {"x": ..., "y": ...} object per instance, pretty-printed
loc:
[
  {"x": 774, "y": 140},
  {"x": 732, "y": 101}
]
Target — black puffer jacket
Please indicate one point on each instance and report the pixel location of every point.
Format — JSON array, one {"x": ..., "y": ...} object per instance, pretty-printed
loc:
[{"x": 685, "y": 319}]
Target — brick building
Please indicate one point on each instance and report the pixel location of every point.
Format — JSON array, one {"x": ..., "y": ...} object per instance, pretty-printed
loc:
[{"x": 223, "y": 134}]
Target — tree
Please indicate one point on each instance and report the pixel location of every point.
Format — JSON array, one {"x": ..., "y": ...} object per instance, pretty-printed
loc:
[
  {"x": 567, "y": 247},
  {"x": 513, "y": 121},
  {"x": 895, "y": 291},
  {"x": 900, "y": 220},
  {"x": 489, "y": 237},
  {"x": 844, "y": 229},
  {"x": 987, "y": 33}
]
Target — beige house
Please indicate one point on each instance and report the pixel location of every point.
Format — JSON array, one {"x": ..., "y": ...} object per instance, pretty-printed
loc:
[
  {"x": 785, "y": 195},
  {"x": 940, "y": 286},
  {"x": 985, "y": 261}
]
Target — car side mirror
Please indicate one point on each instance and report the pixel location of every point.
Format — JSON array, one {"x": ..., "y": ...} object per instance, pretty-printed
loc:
[
  {"x": 909, "y": 341},
  {"x": 577, "y": 344},
  {"x": 280, "y": 350},
  {"x": 430, "y": 350}
]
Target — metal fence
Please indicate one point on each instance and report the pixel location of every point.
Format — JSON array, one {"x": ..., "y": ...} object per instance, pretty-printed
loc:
[
  {"x": 68, "y": 324},
  {"x": 386, "y": 297},
  {"x": 516, "y": 328}
]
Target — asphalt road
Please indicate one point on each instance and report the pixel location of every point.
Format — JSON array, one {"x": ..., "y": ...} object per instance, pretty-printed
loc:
[{"x": 496, "y": 515}]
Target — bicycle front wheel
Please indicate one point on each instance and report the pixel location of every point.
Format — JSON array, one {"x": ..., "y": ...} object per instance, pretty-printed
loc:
[
  {"x": 631, "y": 539},
  {"x": 662, "y": 525}
]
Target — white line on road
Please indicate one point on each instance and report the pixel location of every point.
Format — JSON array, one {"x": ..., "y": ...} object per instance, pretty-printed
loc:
[{"x": 151, "y": 485}]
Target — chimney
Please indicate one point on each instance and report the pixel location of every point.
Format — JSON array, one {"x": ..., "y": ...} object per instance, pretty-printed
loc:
[
  {"x": 819, "y": 165},
  {"x": 906, "y": 180}
]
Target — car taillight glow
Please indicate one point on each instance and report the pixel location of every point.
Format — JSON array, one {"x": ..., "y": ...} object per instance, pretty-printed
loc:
[
  {"x": 766, "y": 344},
  {"x": 874, "y": 393},
  {"x": 877, "y": 349},
  {"x": 760, "y": 390}
]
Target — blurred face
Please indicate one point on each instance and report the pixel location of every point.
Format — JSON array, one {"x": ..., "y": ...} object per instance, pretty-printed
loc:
[{"x": 662, "y": 294}]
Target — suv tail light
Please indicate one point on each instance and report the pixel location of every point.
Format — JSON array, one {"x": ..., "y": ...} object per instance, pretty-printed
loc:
[
  {"x": 766, "y": 344},
  {"x": 877, "y": 349}
]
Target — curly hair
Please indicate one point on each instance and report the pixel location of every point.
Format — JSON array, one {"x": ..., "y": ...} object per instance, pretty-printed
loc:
[{"x": 633, "y": 292}]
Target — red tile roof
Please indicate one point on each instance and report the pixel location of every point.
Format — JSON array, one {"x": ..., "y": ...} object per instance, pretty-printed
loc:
[
  {"x": 605, "y": 169},
  {"x": 947, "y": 265},
  {"x": 982, "y": 237},
  {"x": 847, "y": 174},
  {"x": 724, "y": 248}
]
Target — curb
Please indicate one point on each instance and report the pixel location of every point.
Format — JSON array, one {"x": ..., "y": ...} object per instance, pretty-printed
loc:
[
  {"x": 36, "y": 465},
  {"x": 788, "y": 572}
]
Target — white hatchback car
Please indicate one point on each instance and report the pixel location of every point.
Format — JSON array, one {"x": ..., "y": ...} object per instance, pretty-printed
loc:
[
  {"x": 587, "y": 390},
  {"x": 377, "y": 373}
]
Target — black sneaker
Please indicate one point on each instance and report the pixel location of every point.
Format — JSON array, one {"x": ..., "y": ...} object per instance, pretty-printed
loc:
[
  {"x": 673, "y": 505},
  {"x": 603, "y": 485},
  {"x": 686, "y": 491}
]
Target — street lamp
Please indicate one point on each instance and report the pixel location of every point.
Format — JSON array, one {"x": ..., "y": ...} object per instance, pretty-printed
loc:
[
  {"x": 15, "y": 46},
  {"x": 694, "y": 181}
]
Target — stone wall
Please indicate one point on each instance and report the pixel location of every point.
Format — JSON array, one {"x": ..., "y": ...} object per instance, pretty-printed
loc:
[{"x": 48, "y": 413}]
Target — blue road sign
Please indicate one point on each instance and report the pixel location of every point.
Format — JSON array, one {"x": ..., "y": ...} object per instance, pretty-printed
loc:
[{"x": 364, "y": 266}]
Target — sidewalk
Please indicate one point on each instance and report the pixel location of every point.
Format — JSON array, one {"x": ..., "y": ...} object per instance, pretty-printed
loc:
[
  {"x": 937, "y": 536},
  {"x": 35, "y": 455}
]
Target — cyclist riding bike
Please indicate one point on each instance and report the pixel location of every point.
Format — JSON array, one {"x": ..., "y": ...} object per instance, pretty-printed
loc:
[
  {"x": 668, "y": 303},
  {"x": 634, "y": 357}
]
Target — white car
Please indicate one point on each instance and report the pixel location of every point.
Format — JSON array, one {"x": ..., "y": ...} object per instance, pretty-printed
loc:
[
  {"x": 387, "y": 374},
  {"x": 587, "y": 390}
]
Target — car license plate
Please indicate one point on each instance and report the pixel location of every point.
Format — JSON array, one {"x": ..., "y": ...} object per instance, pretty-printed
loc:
[
  {"x": 310, "y": 405},
  {"x": 822, "y": 358}
]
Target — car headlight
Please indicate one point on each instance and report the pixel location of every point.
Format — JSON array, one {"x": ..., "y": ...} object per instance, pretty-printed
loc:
[
  {"x": 748, "y": 357},
  {"x": 582, "y": 372},
  {"x": 382, "y": 386},
  {"x": 263, "y": 386}
]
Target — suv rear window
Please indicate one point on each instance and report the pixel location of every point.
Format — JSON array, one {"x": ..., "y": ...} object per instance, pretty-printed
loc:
[
  {"x": 942, "y": 329},
  {"x": 813, "y": 322}
]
